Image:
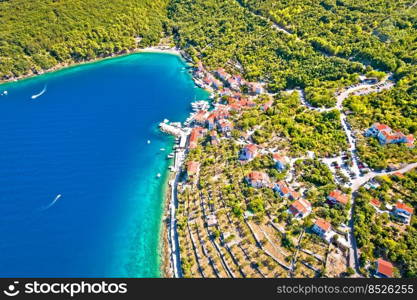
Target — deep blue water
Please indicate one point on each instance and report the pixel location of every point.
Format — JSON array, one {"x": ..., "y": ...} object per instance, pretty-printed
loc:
[{"x": 86, "y": 139}]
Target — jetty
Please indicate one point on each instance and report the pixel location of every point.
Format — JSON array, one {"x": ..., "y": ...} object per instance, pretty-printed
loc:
[{"x": 171, "y": 129}]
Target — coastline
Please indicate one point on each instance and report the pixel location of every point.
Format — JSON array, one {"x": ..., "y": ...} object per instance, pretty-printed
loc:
[
  {"x": 165, "y": 249},
  {"x": 65, "y": 65}
]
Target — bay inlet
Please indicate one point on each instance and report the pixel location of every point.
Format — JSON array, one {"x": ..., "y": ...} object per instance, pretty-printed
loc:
[{"x": 79, "y": 191}]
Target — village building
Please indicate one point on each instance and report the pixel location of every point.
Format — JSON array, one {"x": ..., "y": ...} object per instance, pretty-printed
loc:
[
  {"x": 386, "y": 135},
  {"x": 280, "y": 161},
  {"x": 255, "y": 88},
  {"x": 403, "y": 212},
  {"x": 375, "y": 203},
  {"x": 211, "y": 220},
  {"x": 384, "y": 268},
  {"x": 248, "y": 152},
  {"x": 300, "y": 208},
  {"x": 294, "y": 195},
  {"x": 195, "y": 134},
  {"x": 211, "y": 121},
  {"x": 282, "y": 189},
  {"x": 233, "y": 83},
  {"x": 225, "y": 126},
  {"x": 323, "y": 229},
  {"x": 257, "y": 179},
  {"x": 216, "y": 84},
  {"x": 192, "y": 171},
  {"x": 336, "y": 197},
  {"x": 200, "y": 71},
  {"x": 225, "y": 92},
  {"x": 222, "y": 74},
  {"x": 200, "y": 118},
  {"x": 214, "y": 140}
]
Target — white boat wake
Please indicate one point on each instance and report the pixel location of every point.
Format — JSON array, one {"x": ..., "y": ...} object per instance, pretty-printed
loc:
[
  {"x": 53, "y": 202},
  {"x": 40, "y": 94}
]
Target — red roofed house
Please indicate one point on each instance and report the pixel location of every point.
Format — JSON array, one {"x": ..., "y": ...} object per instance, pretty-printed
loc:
[
  {"x": 300, "y": 208},
  {"x": 200, "y": 118},
  {"x": 384, "y": 268},
  {"x": 211, "y": 121},
  {"x": 403, "y": 212},
  {"x": 225, "y": 92},
  {"x": 214, "y": 140},
  {"x": 375, "y": 203},
  {"x": 235, "y": 106},
  {"x": 193, "y": 169},
  {"x": 216, "y": 84},
  {"x": 233, "y": 83},
  {"x": 294, "y": 195},
  {"x": 336, "y": 197},
  {"x": 410, "y": 141},
  {"x": 247, "y": 103},
  {"x": 255, "y": 88},
  {"x": 195, "y": 134},
  {"x": 225, "y": 126},
  {"x": 322, "y": 228},
  {"x": 221, "y": 73},
  {"x": 386, "y": 135},
  {"x": 207, "y": 81},
  {"x": 282, "y": 188},
  {"x": 221, "y": 112},
  {"x": 257, "y": 179},
  {"x": 248, "y": 152},
  {"x": 280, "y": 161},
  {"x": 200, "y": 66},
  {"x": 399, "y": 175}
]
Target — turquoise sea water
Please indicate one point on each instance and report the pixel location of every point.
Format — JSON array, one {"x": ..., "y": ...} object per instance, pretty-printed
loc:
[{"x": 86, "y": 139}]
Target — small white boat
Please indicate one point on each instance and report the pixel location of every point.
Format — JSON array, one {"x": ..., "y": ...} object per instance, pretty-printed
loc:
[
  {"x": 162, "y": 149},
  {"x": 158, "y": 175},
  {"x": 40, "y": 94},
  {"x": 148, "y": 141},
  {"x": 4, "y": 93}
]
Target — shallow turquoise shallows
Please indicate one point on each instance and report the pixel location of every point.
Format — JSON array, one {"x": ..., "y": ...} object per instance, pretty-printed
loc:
[{"x": 79, "y": 192}]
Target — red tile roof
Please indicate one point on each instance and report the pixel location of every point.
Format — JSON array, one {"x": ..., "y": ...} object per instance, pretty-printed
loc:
[
  {"x": 403, "y": 206},
  {"x": 381, "y": 127},
  {"x": 295, "y": 195},
  {"x": 225, "y": 123},
  {"x": 339, "y": 197},
  {"x": 201, "y": 116},
  {"x": 251, "y": 148},
  {"x": 283, "y": 187},
  {"x": 193, "y": 167},
  {"x": 410, "y": 140},
  {"x": 278, "y": 157},
  {"x": 300, "y": 206},
  {"x": 194, "y": 136},
  {"x": 257, "y": 176},
  {"x": 375, "y": 202},
  {"x": 385, "y": 267},
  {"x": 323, "y": 224},
  {"x": 399, "y": 174}
]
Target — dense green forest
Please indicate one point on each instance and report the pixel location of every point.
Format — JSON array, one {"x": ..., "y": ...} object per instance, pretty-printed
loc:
[
  {"x": 39, "y": 34},
  {"x": 223, "y": 33},
  {"x": 368, "y": 31}
]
